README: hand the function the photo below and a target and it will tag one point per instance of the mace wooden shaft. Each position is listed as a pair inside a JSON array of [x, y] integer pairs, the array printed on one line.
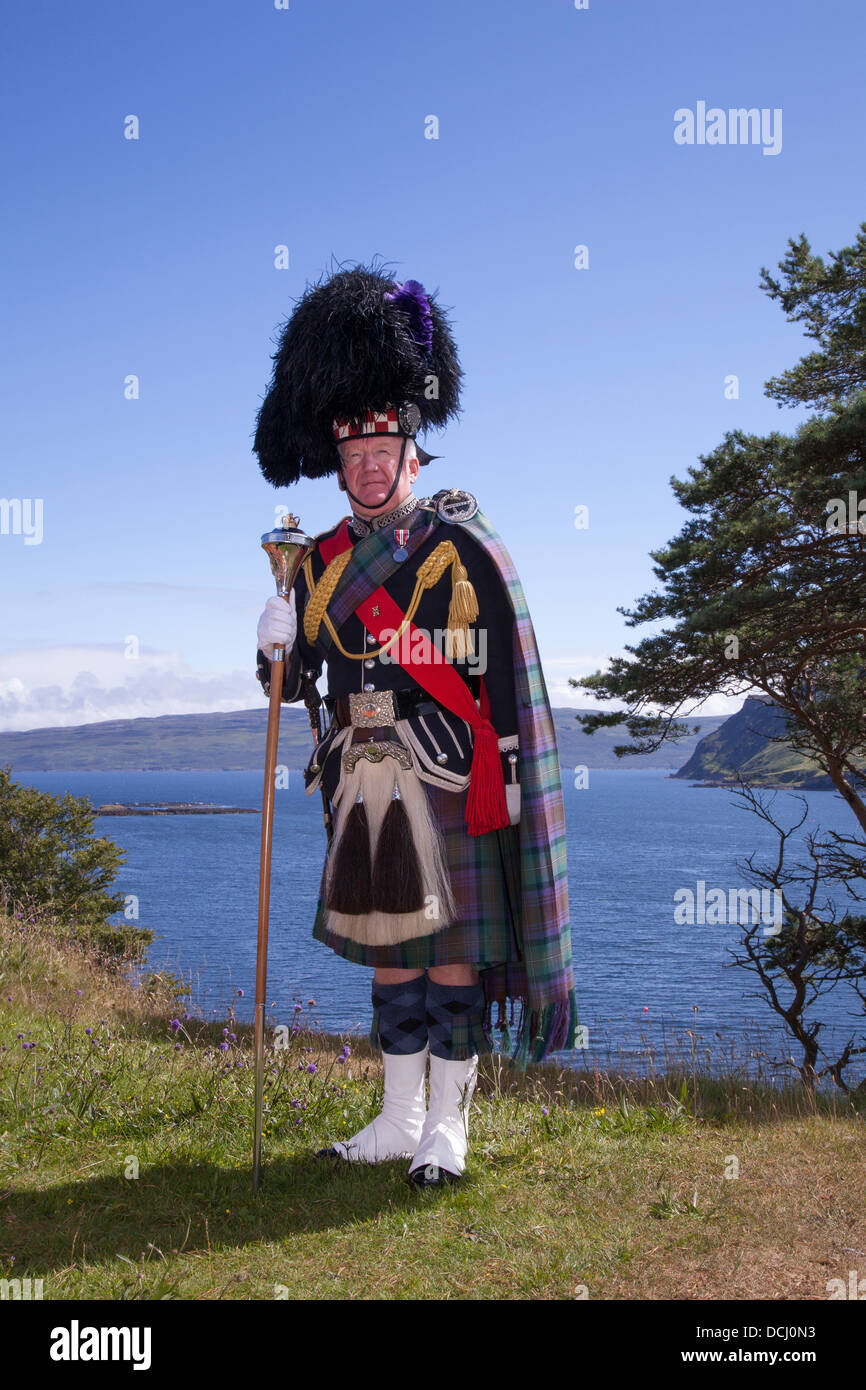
[[265, 898]]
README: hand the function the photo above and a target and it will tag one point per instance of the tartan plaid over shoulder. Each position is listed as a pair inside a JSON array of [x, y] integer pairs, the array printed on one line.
[[542, 983]]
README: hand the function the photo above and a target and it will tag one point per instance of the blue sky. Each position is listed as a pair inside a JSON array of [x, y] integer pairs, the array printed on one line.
[[305, 127]]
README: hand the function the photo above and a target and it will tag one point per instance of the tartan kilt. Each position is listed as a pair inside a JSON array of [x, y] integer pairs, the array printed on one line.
[[485, 880]]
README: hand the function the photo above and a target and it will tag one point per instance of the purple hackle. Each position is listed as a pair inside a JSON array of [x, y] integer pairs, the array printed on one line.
[[412, 297]]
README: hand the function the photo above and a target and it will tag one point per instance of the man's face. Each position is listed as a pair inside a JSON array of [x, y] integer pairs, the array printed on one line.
[[369, 466]]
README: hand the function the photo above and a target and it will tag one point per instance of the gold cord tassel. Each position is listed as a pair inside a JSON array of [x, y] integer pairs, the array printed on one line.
[[462, 611]]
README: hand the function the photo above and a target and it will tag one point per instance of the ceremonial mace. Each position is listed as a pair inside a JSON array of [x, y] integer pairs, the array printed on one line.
[[286, 548]]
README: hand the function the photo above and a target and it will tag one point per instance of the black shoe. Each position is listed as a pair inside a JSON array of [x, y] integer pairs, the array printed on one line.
[[431, 1175]]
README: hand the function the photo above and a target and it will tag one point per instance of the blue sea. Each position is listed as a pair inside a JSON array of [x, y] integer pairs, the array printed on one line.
[[645, 982]]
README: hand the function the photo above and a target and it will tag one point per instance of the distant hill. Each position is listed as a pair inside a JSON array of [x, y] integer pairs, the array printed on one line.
[[741, 747], [235, 742]]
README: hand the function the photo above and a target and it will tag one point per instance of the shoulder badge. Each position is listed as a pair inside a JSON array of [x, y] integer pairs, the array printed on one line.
[[454, 505]]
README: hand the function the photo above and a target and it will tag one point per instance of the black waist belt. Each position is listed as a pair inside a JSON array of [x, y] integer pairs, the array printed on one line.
[[406, 704]]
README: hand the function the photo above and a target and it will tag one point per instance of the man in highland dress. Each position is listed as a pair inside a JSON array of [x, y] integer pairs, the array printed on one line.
[[446, 869]]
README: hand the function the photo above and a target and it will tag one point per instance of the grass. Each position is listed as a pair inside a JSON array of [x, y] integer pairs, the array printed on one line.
[[125, 1166]]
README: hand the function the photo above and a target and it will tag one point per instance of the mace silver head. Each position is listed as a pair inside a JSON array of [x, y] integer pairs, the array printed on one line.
[[286, 549]]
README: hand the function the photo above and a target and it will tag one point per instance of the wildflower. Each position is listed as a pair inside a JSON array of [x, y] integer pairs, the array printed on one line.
[[312, 1003], [240, 994], [298, 1008], [224, 1047], [178, 1047], [296, 1105], [233, 1037], [78, 991], [312, 1068], [544, 1110], [88, 1031], [225, 1032], [174, 1025], [340, 1061]]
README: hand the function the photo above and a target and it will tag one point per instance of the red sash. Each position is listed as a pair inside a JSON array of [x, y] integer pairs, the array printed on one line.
[[486, 807]]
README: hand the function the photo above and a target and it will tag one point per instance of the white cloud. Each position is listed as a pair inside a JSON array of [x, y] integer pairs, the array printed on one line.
[[558, 670], [66, 685]]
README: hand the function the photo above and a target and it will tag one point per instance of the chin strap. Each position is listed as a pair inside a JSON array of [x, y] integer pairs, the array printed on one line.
[[393, 486]]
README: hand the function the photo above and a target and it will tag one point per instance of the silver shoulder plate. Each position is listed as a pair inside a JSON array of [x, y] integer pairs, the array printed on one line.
[[454, 505]]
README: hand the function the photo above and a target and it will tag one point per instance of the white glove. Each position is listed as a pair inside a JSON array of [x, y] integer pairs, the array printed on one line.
[[278, 625]]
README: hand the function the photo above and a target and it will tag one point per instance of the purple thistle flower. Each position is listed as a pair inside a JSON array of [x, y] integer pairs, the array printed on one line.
[[88, 1031], [240, 994], [544, 1110], [233, 1037], [312, 1069], [225, 1032], [174, 1025], [298, 1008], [224, 1047]]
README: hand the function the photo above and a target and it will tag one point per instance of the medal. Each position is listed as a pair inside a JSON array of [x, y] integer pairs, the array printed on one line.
[[401, 536]]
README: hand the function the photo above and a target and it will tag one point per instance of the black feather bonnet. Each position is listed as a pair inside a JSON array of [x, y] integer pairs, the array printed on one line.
[[359, 341]]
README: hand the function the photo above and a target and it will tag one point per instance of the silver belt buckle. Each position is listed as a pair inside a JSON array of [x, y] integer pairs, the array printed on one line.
[[372, 709]]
